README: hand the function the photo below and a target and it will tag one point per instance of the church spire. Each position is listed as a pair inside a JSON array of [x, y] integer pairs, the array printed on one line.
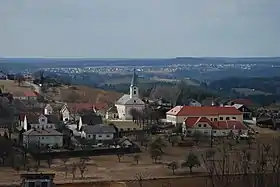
[[134, 92], [134, 78]]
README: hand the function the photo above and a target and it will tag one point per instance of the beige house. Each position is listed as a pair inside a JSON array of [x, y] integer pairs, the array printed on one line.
[[179, 114]]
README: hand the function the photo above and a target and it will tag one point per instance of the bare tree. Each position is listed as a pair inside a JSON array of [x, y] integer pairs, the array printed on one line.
[[137, 158], [73, 170], [173, 166], [191, 161], [120, 156], [82, 168], [258, 167]]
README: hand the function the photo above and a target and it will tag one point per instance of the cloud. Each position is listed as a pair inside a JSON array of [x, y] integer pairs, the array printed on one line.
[[131, 28]]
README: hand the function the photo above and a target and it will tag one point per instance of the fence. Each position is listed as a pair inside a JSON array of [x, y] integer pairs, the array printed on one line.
[[86, 152]]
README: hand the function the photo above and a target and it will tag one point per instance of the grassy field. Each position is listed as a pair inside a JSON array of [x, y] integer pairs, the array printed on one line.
[[12, 86], [108, 168]]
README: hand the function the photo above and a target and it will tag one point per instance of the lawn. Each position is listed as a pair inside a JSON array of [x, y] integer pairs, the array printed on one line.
[[12, 86]]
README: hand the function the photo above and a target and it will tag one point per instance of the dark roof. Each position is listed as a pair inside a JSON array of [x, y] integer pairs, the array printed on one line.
[[52, 119], [112, 109], [134, 79], [91, 119], [44, 132], [100, 128]]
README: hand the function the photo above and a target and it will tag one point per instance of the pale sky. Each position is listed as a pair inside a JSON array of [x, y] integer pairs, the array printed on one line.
[[139, 28]]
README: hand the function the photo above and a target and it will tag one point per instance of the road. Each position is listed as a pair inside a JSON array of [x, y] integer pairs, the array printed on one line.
[[36, 87]]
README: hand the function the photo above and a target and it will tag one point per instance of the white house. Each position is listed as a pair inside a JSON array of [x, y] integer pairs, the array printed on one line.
[[48, 109], [128, 102], [42, 138], [65, 113], [99, 133], [216, 128], [41, 134]]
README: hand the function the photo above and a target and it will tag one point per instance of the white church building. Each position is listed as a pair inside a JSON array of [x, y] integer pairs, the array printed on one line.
[[128, 102]]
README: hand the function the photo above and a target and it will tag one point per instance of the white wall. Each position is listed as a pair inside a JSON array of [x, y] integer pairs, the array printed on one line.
[[45, 140], [216, 132], [45, 126], [121, 111], [106, 136]]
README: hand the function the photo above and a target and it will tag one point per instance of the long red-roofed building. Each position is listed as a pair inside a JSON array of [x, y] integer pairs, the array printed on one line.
[[179, 114], [216, 128]]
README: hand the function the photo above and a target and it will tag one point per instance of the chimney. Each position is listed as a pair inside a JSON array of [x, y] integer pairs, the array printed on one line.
[[25, 123]]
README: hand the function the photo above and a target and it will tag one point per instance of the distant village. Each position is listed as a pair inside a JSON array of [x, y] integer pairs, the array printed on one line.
[[74, 128]]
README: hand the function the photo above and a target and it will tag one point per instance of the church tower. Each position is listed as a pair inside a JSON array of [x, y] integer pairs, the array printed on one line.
[[134, 91]]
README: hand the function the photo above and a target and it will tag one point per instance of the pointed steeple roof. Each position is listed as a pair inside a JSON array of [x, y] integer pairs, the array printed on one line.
[[134, 78]]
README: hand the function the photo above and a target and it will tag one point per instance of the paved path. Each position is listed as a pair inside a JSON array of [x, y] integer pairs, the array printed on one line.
[[35, 86]]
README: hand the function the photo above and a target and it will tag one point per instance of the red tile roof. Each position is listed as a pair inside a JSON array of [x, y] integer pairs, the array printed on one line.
[[246, 102], [29, 94], [192, 121], [203, 111]]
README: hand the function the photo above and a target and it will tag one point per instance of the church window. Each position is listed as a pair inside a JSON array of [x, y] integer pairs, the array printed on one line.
[[134, 88], [134, 92], [134, 101]]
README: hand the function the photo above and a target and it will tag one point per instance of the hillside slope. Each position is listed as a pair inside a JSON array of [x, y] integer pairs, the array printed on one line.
[[83, 94]]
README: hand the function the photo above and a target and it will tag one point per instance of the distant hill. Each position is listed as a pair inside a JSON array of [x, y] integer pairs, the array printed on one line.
[[138, 62], [262, 90]]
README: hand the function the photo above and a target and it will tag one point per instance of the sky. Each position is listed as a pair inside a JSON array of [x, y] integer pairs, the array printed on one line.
[[139, 28]]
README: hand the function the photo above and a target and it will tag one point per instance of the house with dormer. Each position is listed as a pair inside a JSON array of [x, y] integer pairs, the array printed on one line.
[[215, 128], [40, 131], [73, 111]]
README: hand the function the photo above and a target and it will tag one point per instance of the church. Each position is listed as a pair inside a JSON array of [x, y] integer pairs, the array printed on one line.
[[128, 102]]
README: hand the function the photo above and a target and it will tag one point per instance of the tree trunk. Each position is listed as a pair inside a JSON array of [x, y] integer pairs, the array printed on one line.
[[190, 169]]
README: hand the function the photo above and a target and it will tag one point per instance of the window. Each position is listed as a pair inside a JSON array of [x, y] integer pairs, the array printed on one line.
[[221, 118], [100, 136], [227, 118], [128, 129], [42, 138], [134, 92], [134, 101], [214, 131], [204, 125], [233, 117], [31, 184], [88, 135], [134, 88], [211, 119], [199, 125], [215, 119], [44, 184], [108, 136], [121, 129]]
